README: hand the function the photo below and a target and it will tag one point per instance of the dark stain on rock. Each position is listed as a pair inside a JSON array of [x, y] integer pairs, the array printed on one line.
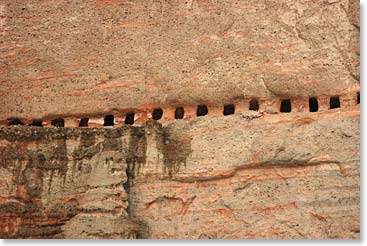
[[112, 144], [114, 132], [173, 141], [143, 231], [26, 134], [176, 147], [9, 154], [87, 152], [135, 157], [32, 176], [57, 158], [87, 138], [51, 158], [30, 211], [31, 218], [135, 153], [87, 146]]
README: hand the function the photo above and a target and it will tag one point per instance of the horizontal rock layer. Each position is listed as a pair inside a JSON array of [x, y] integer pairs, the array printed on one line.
[[257, 173], [290, 175], [93, 56]]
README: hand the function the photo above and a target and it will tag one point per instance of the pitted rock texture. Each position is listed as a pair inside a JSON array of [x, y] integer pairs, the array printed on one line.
[[283, 176], [92, 56], [257, 173]]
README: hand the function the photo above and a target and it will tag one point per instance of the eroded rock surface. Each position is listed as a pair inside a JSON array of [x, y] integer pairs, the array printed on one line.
[[94, 72], [240, 176], [66, 183], [87, 57]]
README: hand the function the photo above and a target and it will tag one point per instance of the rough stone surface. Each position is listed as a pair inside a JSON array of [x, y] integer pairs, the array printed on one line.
[[66, 183], [93, 56], [255, 174], [240, 176]]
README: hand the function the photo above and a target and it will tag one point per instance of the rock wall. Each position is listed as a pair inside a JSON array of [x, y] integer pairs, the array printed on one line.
[[67, 183], [179, 119], [240, 176], [89, 57]]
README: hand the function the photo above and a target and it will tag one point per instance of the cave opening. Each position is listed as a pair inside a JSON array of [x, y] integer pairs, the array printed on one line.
[[202, 110], [254, 105], [36, 123], [334, 102], [109, 120], [228, 109], [285, 106], [157, 113], [358, 98], [129, 119], [15, 122], [313, 104], [179, 113], [59, 122], [83, 122]]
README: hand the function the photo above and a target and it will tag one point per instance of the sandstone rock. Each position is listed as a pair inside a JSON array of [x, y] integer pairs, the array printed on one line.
[[94, 57], [275, 176], [180, 119]]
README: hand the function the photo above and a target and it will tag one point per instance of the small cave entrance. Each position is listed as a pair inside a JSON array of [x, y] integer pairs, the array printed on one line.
[[129, 119], [202, 110], [285, 106], [334, 102], [313, 104], [179, 113], [83, 122], [59, 122], [228, 109], [36, 123], [157, 114], [358, 97], [109, 120], [15, 122], [254, 105]]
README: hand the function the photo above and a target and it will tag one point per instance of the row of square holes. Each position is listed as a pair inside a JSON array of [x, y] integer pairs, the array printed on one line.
[[158, 113], [334, 102], [285, 107]]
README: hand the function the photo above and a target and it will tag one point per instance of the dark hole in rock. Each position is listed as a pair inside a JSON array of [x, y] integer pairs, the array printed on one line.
[[14, 122], [254, 105], [313, 104], [83, 122], [228, 109], [59, 122], [179, 113], [129, 120], [358, 98], [285, 106], [109, 120], [202, 110], [36, 123], [334, 102], [157, 114]]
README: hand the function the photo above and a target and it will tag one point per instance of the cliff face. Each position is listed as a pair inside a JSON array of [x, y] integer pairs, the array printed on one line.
[[179, 119], [97, 56], [240, 176]]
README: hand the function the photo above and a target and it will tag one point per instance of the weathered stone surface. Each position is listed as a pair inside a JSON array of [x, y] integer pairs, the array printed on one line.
[[275, 177], [76, 73], [88, 57], [242, 176], [66, 183]]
